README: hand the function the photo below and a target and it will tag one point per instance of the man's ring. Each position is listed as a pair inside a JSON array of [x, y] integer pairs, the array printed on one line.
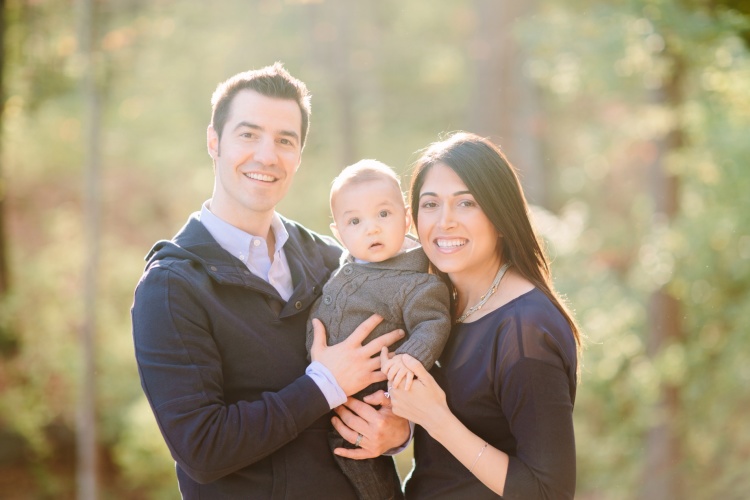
[[359, 440]]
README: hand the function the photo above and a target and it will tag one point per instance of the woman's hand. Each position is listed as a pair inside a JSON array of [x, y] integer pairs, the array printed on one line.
[[424, 403], [381, 430], [355, 366]]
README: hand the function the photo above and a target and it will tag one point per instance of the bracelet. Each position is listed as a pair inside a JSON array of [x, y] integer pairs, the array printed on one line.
[[478, 455]]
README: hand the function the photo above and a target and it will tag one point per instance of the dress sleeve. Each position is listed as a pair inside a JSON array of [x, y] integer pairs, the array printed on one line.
[[181, 374], [536, 399], [427, 319]]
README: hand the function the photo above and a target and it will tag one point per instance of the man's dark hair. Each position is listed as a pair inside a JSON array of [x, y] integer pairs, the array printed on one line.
[[271, 81]]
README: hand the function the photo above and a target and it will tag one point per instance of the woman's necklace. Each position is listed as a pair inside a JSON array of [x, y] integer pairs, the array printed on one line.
[[484, 298]]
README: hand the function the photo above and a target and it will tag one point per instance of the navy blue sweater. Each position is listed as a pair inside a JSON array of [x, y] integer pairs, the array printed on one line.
[[510, 377], [222, 358]]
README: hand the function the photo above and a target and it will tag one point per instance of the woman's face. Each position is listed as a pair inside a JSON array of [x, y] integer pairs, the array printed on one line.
[[455, 233]]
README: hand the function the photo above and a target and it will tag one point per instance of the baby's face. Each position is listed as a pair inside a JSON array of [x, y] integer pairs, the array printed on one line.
[[370, 219]]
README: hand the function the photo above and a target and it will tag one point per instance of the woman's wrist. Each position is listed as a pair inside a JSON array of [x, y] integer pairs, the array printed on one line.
[[440, 423]]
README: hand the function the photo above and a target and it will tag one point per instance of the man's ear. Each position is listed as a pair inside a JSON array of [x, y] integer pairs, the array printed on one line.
[[212, 142], [335, 232]]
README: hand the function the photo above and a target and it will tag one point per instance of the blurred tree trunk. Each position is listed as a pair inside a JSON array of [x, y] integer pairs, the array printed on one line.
[[330, 24], [4, 275], [341, 69], [504, 103], [660, 477], [86, 427]]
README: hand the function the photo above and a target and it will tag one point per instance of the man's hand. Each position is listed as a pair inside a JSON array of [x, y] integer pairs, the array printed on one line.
[[351, 363], [381, 430]]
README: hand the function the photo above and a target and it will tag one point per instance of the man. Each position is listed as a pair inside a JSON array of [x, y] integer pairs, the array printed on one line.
[[219, 320]]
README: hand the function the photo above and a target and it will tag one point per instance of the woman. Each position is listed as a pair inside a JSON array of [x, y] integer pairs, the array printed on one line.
[[496, 417]]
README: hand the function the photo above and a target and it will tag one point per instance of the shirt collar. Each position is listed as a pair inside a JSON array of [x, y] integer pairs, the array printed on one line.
[[235, 240]]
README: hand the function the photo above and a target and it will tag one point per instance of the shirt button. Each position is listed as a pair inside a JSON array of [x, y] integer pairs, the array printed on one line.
[[247, 273], [213, 268], [256, 243], [327, 300], [298, 305], [315, 289], [347, 270]]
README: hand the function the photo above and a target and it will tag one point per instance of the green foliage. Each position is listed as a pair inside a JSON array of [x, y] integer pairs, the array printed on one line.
[[625, 252], [406, 74]]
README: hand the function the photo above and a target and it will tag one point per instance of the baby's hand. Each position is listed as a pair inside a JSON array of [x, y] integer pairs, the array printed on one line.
[[397, 372]]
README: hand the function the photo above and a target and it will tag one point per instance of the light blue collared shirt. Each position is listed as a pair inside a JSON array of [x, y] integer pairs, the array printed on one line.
[[253, 251]]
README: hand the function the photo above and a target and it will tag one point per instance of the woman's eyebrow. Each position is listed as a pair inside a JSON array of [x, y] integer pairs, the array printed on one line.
[[457, 193]]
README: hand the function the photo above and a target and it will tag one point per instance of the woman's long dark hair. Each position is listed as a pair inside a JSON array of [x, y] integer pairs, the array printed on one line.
[[494, 184]]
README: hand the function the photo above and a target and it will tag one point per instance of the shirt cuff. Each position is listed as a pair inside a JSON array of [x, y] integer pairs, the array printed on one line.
[[396, 451], [327, 384]]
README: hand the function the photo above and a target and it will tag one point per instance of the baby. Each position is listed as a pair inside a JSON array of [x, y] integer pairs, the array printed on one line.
[[382, 271]]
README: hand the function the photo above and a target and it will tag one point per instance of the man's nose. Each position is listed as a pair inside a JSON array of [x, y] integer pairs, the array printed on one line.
[[265, 151]]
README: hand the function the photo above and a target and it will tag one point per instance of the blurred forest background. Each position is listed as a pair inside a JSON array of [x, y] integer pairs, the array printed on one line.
[[628, 120]]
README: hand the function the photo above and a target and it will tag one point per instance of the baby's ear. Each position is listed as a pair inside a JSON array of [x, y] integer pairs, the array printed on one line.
[[408, 219], [335, 232]]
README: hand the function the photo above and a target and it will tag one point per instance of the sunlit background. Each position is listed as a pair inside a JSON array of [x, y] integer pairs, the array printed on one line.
[[628, 121]]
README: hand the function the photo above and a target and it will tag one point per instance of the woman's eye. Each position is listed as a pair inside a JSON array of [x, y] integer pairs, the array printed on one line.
[[429, 204], [467, 203]]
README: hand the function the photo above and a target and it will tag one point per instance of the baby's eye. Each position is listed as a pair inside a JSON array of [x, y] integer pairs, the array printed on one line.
[[384, 213], [354, 221]]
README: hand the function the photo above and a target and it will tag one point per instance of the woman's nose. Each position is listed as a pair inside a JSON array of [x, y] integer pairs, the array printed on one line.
[[447, 219]]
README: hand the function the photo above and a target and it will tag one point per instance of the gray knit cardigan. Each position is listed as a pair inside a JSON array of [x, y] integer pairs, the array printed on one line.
[[400, 290]]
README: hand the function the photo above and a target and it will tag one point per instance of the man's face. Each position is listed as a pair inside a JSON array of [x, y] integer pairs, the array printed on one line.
[[256, 158]]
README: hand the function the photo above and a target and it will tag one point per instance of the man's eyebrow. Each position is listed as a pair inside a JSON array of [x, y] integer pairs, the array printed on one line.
[[247, 125], [285, 133], [290, 133]]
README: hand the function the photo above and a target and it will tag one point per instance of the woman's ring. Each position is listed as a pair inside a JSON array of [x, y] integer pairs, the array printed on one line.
[[387, 395], [359, 440]]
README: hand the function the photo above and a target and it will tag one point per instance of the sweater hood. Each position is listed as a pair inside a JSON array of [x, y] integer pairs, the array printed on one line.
[[311, 259], [193, 242]]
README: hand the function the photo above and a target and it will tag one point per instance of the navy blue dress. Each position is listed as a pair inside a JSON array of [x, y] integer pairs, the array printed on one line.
[[510, 377]]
